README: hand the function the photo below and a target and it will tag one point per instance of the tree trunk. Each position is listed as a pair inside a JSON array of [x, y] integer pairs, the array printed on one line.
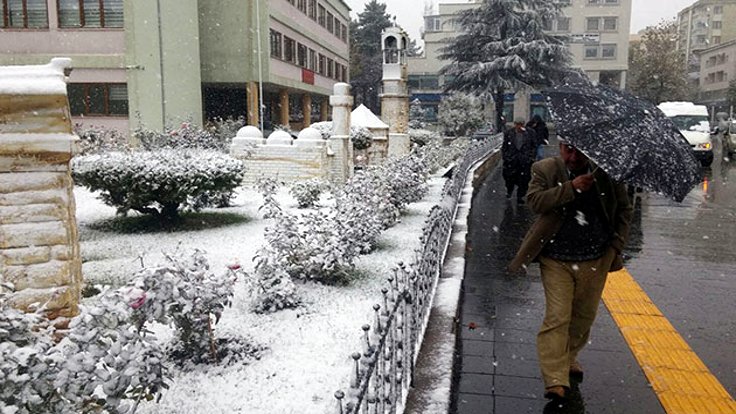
[[499, 101]]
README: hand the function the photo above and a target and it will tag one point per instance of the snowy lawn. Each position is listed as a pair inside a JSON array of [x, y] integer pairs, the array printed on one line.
[[307, 349]]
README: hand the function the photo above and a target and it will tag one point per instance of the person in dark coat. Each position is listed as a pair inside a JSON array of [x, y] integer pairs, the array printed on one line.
[[518, 153], [540, 129]]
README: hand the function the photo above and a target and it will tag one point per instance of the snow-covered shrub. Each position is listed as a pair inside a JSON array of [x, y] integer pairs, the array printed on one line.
[[324, 128], [361, 137], [104, 363], [307, 192], [95, 140], [275, 290], [185, 293], [159, 182], [226, 129], [460, 114], [183, 136], [407, 177], [416, 115], [422, 137], [440, 155]]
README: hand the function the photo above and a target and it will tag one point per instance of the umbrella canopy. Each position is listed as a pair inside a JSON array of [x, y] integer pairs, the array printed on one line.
[[631, 139]]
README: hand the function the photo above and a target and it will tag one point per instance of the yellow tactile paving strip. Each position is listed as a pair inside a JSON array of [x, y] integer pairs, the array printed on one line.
[[683, 384]]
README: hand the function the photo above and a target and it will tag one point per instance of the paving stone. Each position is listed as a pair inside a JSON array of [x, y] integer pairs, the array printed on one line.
[[474, 404], [476, 384]]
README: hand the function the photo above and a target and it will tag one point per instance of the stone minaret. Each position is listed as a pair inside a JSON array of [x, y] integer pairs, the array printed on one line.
[[395, 96]]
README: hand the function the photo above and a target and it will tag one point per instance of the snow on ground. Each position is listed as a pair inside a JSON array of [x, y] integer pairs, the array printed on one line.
[[307, 357]]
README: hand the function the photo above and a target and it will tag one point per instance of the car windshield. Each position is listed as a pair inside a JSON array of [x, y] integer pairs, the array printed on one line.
[[691, 122]]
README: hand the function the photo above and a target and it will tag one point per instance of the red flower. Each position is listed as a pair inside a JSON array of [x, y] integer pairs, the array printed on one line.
[[138, 302], [472, 326], [235, 266]]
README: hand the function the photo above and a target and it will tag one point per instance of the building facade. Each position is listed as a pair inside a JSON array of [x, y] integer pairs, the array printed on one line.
[[599, 37], [163, 61], [717, 70], [705, 24]]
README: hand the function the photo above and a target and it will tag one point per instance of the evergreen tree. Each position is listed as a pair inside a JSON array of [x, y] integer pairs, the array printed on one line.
[[658, 71], [503, 47], [365, 54], [416, 115]]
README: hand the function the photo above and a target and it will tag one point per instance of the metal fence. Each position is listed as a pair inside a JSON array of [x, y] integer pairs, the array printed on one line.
[[383, 369]]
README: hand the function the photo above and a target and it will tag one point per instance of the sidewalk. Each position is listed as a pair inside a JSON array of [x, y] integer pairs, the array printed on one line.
[[497, 369]]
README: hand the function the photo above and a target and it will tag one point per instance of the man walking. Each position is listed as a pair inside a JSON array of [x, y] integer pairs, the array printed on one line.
[[581, 229], [518, 152]]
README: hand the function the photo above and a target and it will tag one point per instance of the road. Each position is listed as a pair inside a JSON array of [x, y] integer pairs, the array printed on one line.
[[683, 255]]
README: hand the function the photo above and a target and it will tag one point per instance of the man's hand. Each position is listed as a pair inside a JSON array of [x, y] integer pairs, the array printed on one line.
[[583, 183]]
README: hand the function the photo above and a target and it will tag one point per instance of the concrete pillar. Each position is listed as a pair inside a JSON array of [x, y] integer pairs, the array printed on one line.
[[623, 80], [307, 109], [39, 247], [284, 101], [341, 149], [324, 109], [253, 117], [521, 105]]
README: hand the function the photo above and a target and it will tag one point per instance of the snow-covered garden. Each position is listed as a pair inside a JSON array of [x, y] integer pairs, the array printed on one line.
[[253, 307]]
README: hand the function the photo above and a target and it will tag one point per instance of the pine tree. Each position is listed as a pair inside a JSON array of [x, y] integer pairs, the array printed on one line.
[[658, 71], [365, 54], [503, 47]]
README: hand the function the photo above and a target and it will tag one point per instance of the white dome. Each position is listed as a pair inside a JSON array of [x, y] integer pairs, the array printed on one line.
[[249, 131], [310, 134], [279, 138]]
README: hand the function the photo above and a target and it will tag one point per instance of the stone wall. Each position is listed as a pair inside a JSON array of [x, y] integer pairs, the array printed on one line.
[[287, 163], [39, 250]]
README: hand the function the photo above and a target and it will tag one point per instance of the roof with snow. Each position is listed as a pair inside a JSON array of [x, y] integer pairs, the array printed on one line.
[[46, 79], [363, 117]]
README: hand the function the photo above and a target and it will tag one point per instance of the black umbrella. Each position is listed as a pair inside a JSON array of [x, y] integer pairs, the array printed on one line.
[[631, 139]]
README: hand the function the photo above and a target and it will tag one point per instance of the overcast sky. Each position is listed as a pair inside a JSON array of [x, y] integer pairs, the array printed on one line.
[[409, 13]]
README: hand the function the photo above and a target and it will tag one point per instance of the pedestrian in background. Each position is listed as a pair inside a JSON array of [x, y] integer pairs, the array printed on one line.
[[582, 227], [518, 152], [540, 129]]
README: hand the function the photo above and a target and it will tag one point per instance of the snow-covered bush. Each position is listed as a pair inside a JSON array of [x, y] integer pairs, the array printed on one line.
[[95, 140], [416, 115], [307, 192], [438, 155], [421, 137], [407, 178], [324, 128], [460, 114], [361, 137], [183, 136], [185, 293], [225, 129], [159, 182]]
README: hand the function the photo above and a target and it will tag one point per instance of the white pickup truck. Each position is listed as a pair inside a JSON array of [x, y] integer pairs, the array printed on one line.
[[692, 121]]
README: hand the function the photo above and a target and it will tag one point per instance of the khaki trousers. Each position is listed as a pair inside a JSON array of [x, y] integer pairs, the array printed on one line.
[[572, 293]]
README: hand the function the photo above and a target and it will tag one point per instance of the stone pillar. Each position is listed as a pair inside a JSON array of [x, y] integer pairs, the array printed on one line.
[[341, 149], [253, 117], [395, 96], [307, 109], [284, 102], [39, 248]]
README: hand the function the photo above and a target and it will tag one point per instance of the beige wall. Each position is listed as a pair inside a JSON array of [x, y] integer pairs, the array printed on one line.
[[717, 69]]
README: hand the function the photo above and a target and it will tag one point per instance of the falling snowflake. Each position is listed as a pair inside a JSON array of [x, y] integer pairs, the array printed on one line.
[[580, 217]]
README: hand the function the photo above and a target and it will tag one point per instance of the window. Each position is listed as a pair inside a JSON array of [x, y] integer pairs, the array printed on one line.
[[276, 48], [302, 6], [312, 9], [312, 60], [593, 24], [547, 25], [343, 33], [337, 27], [344, 73], [330, 22], [330, 68], [289, 49], [718, 25], [608, 51], [718, 9], [321, 67], [591, 52], [432, 24], [321, 15], [90, 13], [301, 55], [610, 24], [563, 24], [100, 99], [424, 82], [24, 14], [716, 40]]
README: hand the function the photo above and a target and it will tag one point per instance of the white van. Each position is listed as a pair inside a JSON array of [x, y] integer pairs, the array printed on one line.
[[692, 121]]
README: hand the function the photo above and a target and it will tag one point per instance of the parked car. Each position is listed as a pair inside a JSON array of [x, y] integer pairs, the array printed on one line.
[[692, 121]]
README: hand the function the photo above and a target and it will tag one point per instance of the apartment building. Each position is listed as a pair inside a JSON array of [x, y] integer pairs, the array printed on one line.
[[705, 24], [599, 37], [717, 70], [158, 62]]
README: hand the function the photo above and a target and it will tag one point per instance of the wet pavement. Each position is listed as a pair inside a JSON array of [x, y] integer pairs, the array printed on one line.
[[684, 257]]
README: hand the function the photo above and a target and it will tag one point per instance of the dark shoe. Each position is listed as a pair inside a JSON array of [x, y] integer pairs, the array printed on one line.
[[555, 393], [576, 371]]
